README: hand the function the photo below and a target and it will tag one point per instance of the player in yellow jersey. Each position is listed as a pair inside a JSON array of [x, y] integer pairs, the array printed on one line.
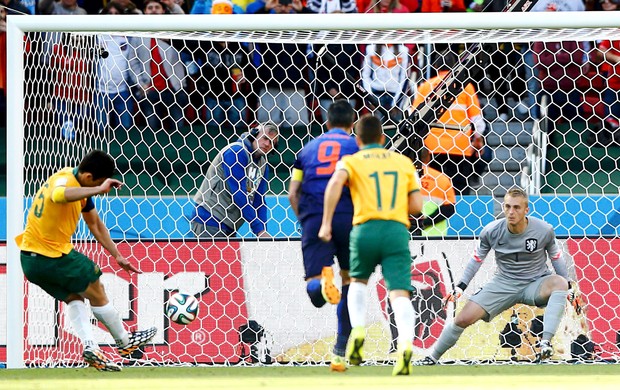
[[385, 190], [50, 261]]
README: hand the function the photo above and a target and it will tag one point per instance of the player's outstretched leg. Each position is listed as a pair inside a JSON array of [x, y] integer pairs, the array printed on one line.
[[356, 344], [136, 340], [95, 358], [330, 292]]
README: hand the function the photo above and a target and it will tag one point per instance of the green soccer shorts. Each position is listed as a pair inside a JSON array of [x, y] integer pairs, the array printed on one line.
[[60, 276], [382, 242]]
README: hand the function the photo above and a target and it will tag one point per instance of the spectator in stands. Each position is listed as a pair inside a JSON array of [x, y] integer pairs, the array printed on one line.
[[439, 200], [160, 74], [443, 6], [224, 82], [385, 79], [282, 69], [610, 54], [335, 68], [331, 6], [70, 62], [455, 148], [217, 7], [558, 5], [129, 7], [559, 65], [172, 7], [388, 6], [114, 101], [61, 7], [336, 72], [233, 190], [12, 7]]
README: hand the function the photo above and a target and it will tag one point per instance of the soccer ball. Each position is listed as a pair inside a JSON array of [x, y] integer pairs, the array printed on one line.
[[182, 308]]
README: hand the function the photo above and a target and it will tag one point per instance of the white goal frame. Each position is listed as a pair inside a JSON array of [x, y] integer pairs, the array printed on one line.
[[17, 26]]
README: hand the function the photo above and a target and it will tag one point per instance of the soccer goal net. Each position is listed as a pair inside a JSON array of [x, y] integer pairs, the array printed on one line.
[[164, 94]]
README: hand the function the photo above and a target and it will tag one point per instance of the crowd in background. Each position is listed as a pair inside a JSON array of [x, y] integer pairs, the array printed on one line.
[[167, 84]]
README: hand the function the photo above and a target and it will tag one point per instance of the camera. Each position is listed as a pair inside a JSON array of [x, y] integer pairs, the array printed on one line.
[[285, 2]]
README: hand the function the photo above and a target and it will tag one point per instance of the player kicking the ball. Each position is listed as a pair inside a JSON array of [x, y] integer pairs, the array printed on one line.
[[50, 261], [521, 246]]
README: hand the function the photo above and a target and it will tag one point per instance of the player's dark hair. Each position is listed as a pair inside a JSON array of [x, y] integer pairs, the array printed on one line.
[[369, 129], [341, 114], [98, 163]]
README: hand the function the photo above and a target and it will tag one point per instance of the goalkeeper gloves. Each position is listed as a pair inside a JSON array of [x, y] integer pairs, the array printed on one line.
[[456, 294], [574, 298]]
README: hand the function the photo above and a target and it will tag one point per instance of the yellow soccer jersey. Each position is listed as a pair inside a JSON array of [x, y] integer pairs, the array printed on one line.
[[380, 183], [50, 225]]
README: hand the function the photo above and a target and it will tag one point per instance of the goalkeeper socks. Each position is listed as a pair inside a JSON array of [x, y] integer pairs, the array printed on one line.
[[314, 292], [344, 323], [553, 313], [448, 338], [80, 320], [357, 304], [404, 316], [109, 317]]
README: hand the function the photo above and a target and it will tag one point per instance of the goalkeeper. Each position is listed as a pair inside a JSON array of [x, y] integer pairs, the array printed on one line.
[[521, 246]]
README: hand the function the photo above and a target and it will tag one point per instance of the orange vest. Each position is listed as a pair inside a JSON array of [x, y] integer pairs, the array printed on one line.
[[466, 106]]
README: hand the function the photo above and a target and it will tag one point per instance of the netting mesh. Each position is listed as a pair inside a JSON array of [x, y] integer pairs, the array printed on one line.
[[85, 91]]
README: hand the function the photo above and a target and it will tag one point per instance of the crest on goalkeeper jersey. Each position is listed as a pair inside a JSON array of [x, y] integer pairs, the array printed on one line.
[[531, 244]]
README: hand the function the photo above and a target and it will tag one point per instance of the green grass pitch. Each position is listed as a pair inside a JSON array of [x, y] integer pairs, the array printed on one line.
[[522, 377]]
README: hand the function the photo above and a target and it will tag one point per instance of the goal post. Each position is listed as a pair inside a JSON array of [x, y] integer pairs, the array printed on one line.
[[248, 279]]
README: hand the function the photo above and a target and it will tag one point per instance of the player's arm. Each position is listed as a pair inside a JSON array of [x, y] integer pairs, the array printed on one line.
[[294, 189], [332, 196], [472, 268], [62, 194], [102, 235], [415, 202]]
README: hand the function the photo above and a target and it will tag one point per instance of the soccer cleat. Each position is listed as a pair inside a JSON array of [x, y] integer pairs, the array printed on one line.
[[546, 351], [338, 364], [330, 292], [356, 342], [136, 340], [95, 358], [403, 362], [427, 361]]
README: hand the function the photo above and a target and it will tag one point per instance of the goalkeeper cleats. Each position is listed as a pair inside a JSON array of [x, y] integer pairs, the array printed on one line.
[[356, 342], [136, 340], [403, 362], [330, 292], [95, 358], [427, 361], [546, 351], [338, 364]]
